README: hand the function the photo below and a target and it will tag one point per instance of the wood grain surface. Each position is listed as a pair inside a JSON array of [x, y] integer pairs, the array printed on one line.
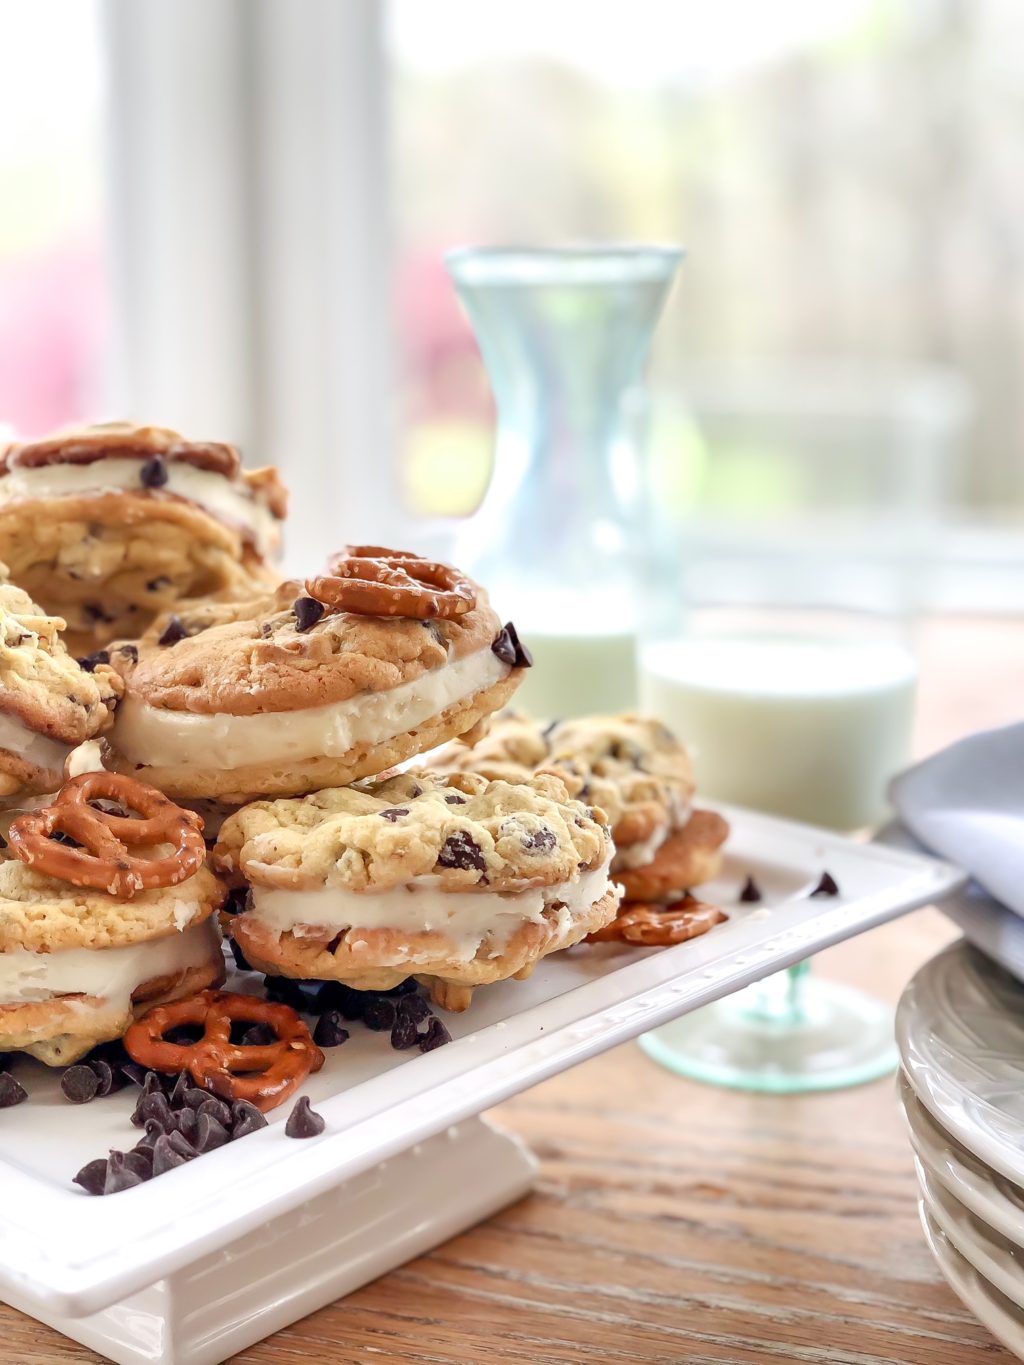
[[677, 1223]]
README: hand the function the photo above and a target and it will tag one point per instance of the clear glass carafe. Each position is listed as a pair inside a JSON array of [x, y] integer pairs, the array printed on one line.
[[564, 334]]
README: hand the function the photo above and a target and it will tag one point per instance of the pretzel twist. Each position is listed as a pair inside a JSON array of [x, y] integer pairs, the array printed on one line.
[[653, 925], [373, 581], [103, 861], [264, 1074]]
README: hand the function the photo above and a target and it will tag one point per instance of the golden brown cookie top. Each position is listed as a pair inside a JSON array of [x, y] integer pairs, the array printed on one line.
[[84, 445], [282, 652], [630, 765], [45, 915], [41, 684], [468, 833]]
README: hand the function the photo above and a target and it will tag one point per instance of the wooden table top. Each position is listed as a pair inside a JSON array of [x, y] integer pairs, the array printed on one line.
[[673, 1222]]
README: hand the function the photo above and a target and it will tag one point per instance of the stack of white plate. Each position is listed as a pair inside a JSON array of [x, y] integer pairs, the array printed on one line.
[[960, 1030]]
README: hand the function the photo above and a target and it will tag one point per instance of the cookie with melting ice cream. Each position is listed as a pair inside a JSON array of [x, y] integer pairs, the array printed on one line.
[[456, 880], [110, 525], [282, 696], [632, 766], [77, 965], [49, 702]]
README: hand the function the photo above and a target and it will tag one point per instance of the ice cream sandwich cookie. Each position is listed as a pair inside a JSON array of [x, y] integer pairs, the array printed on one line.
[[455, 880], [632, 766], [296, 694], [91, 933], [49, 702], [109, 525]]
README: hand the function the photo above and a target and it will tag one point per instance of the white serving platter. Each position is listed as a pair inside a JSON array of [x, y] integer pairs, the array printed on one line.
[[211, 1257]]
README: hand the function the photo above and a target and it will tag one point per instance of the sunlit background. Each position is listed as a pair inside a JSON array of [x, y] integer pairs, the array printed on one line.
[[845, 341]]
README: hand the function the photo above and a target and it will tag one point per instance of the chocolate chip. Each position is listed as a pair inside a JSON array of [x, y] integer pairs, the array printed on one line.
[[303, 1122], [379, 1015], [461, 851], [329, 1031], [153, 1106], [102, 656], [751, 892], [454, 799], [395, 813], [183, 1121], [153, 1084], [827, 886], [335, 995], [12, 1092], [107, 1079], [241, 961], [181, 1088], [140, 1162], [260, 1035], [266, 630], [284, 990], [167, 1155], [549, 730], [307, 612], [237, 901], [79, 1084], [510, 649], [174, 631], [130, 652], [405, 987], [404, 1034], [539, 840], [195, 1096], [93, 1176], [246, 1119], [436, 1035], [59, 837], [158, 584], [216, 1109], [153, 473], [97, 613], [135, 1073], [209, 1133], [414, 1007], [120, 1175]]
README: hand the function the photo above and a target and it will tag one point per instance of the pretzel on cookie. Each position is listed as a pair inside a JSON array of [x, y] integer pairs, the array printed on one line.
[[370, 580], [94, 850], [265, 1074], [655, 925]]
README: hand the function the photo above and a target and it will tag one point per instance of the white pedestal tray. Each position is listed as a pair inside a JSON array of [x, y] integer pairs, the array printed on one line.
[[202, 1262]]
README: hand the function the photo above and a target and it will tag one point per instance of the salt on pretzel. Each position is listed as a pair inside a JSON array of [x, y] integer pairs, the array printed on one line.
[[265, 1074], [102, 859], [373, 581]]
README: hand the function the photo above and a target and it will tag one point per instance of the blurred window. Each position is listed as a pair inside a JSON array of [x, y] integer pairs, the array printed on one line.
[[843, 174], [54, 307]]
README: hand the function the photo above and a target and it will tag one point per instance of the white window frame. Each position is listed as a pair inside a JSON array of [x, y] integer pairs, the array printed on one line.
[[250, 245]]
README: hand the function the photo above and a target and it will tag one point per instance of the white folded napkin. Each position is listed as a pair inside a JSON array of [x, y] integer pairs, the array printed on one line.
[[967, 805]]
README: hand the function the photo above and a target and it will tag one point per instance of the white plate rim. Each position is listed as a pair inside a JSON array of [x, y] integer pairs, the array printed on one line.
[[939, 1152], [108, 1249], [940, 1095], [971, 1288], [971, 1237]]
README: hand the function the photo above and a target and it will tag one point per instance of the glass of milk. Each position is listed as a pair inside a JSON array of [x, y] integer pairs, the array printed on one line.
[[558, 539], [804, 715]]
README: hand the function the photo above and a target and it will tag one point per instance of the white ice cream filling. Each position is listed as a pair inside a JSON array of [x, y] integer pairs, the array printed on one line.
[[213, 492], [107, 974], [642, 852], [20, 739], [468, 918], [156, 737]]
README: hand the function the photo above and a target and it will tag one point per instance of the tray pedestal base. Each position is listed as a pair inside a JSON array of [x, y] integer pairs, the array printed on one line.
[[317, 1253]]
